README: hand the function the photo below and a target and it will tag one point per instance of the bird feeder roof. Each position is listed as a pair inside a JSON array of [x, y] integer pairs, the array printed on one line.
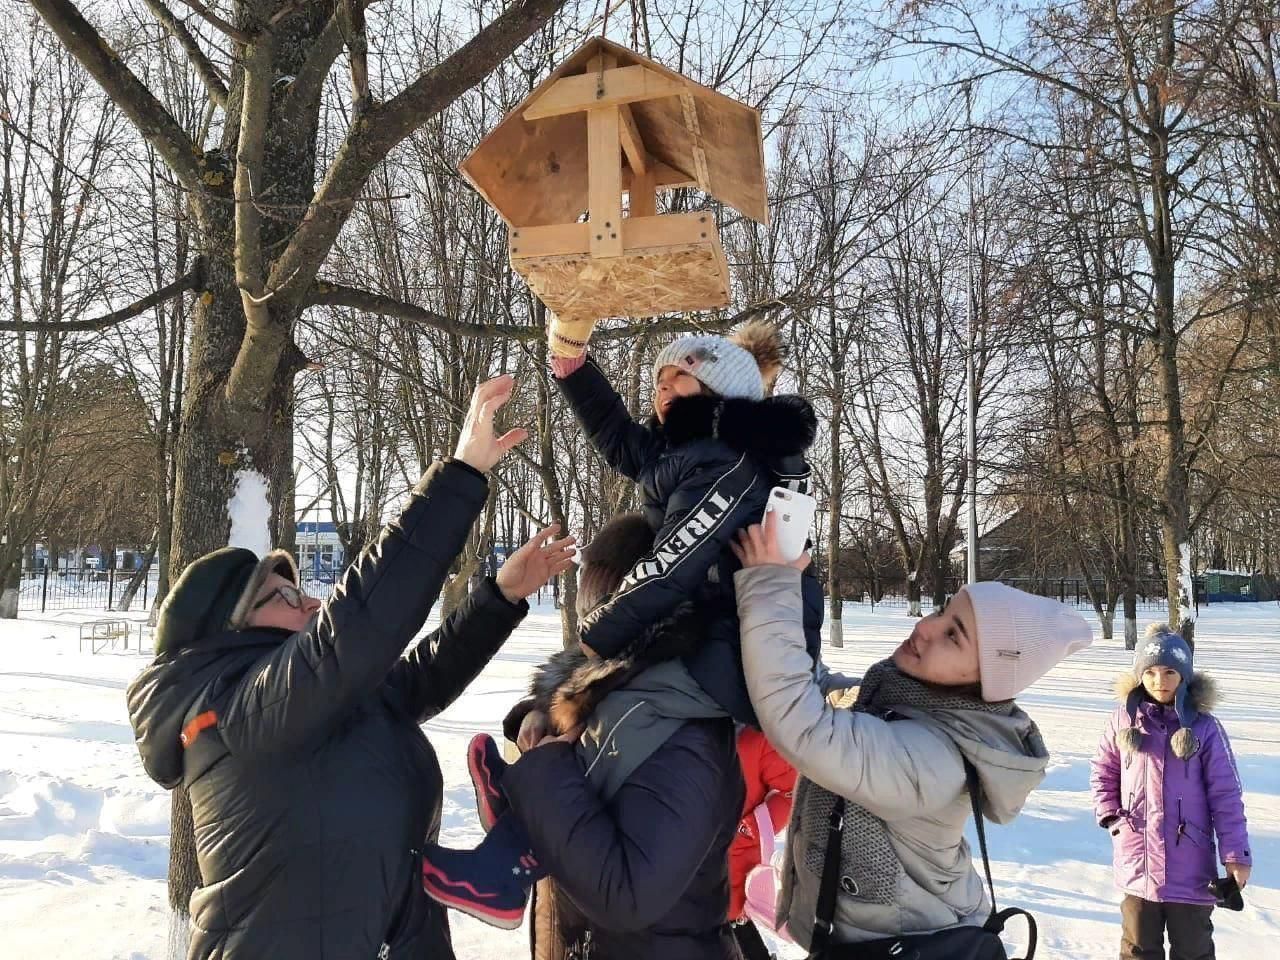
[[532, 167]]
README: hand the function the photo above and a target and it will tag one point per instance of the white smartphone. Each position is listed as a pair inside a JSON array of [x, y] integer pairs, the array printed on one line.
[[794, 518]]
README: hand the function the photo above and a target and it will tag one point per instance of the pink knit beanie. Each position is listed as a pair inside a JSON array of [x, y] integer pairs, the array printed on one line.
[[1021, 637]]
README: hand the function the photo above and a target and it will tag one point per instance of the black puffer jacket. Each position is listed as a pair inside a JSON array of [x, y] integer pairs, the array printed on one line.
[[703, 476], [649, 869], [644, 873], [310, 780]]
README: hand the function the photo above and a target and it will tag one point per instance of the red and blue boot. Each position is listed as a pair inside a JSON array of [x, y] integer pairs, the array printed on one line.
[[491, 882], [486, 766]]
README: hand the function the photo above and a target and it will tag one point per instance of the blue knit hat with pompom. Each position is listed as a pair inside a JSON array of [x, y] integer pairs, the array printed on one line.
[[1163, 647]]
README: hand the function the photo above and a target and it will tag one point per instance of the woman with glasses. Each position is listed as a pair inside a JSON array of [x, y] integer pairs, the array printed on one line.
[[293, 723]]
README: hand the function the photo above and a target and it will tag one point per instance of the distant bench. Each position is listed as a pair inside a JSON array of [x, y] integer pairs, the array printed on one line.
[[106, 635]]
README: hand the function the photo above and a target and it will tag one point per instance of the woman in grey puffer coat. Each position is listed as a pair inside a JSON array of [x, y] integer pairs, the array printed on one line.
[[896, 756]]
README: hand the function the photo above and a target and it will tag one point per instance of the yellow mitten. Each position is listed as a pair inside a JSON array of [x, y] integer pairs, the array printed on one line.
[[568, 337]]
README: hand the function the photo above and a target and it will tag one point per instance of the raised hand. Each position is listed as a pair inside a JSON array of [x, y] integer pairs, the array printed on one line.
[[535, 563], [477, 445], [757, 546]]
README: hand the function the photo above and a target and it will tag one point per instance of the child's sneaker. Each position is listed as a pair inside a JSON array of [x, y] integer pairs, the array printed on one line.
[[491, 882], [486, 766]]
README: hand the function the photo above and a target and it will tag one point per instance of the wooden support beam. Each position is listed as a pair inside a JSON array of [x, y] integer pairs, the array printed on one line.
[[665, 177], [604, 182], [550, 241], [604, 168], [669, 230], [643, 194], [632, 143], [639, 231], [691, 123], [610, 87]]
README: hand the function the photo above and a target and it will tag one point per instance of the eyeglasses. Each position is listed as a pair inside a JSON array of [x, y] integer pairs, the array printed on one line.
[[290, 595]]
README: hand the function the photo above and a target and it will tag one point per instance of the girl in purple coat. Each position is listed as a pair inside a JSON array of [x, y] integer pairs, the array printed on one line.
[[1165, 784]]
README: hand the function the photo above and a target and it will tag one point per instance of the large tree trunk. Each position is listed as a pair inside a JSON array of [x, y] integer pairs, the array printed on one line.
[[913, 595], [835, 594], [219, 447], [1175, 513], [10, 579], [553, 490]]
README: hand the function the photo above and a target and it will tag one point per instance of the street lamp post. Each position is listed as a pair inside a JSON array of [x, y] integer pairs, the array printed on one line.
[[971, 385]]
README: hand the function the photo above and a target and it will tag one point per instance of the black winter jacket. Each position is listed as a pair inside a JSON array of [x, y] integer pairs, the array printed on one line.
[[311, 783], [703, 476], [648, 870]]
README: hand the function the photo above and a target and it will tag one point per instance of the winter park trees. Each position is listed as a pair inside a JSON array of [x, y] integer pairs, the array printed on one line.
[[250, 214]]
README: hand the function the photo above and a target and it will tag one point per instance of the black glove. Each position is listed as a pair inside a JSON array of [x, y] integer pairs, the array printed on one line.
[[1227, 892]]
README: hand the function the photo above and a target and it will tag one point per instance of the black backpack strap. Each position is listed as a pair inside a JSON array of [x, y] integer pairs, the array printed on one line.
[[975, 800], [996, 924], [825, 912], [998, 918]]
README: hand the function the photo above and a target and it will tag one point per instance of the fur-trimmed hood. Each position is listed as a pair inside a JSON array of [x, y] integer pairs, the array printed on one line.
[[770, 429], [1203, 694], [570, 685], [1200, 696]]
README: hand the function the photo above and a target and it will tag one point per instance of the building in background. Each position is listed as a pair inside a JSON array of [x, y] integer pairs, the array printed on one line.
[[320, 554]]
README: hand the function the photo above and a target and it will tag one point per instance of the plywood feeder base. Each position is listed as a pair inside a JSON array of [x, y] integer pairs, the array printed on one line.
[[669, 264], [643, 283]]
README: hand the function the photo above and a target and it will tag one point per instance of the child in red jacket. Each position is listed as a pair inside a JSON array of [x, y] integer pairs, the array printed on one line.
[[771, 782]]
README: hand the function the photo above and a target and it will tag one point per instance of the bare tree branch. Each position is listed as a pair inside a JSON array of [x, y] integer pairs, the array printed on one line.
[[310, 77], [328, 293], [371, 138], [209, 74], [332, 294], [264, 337], [352, 14], [138, 307], [126, 90], [217, 22]]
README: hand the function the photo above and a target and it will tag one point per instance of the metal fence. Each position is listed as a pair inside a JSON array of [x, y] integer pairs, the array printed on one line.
[[893, 592], [89, 589], [82, 588]]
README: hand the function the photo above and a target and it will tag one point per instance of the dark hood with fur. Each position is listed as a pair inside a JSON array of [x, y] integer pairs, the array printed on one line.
[[1202, 692], [570, 685], [770, 429]]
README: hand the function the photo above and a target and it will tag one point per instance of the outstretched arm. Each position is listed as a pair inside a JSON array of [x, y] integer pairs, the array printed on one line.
[[626, 445]]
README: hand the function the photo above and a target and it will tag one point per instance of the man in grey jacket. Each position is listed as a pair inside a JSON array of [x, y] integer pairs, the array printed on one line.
[[896, 756]]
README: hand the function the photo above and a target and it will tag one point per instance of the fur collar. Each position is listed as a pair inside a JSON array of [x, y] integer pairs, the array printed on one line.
[[770, 429], [1202, 691], [570, 685]]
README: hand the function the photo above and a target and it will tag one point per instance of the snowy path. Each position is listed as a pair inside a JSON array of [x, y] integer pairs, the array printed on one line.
[[83, 832]]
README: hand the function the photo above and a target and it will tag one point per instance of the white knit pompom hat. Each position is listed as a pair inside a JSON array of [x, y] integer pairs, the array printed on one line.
[[1021, 637], [718, 363]]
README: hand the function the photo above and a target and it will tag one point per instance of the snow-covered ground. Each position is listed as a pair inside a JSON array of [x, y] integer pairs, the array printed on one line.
[[83, 832]]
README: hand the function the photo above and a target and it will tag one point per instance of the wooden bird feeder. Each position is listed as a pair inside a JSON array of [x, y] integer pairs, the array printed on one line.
[[607, 122]]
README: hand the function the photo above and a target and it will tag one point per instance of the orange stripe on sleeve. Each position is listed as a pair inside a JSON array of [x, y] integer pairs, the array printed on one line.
[[192, 730]]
